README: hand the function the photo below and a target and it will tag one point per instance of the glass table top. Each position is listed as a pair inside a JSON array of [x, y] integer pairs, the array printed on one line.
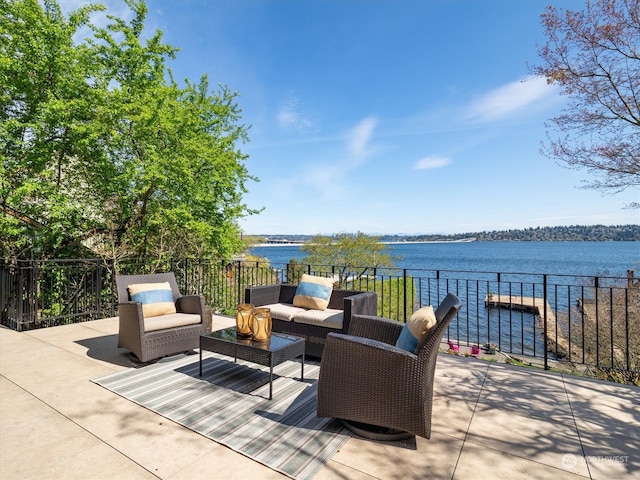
[[277, 340]]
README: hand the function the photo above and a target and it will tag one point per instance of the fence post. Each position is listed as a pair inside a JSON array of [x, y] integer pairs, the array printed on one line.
[[596, 284], [544, 317], [98, 271], [239, 281], [19, 299], [32, 315], [404, 291]]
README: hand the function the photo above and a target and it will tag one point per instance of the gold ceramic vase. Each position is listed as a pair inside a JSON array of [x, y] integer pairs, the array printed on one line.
[[261, 325], [244, 317]]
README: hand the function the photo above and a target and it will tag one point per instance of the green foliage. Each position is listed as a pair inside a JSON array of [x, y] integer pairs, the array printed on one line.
[[101, 146], [352, 254], [391, 295]]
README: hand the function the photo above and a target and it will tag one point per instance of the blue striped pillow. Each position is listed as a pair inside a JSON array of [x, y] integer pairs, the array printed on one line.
[[156, 298]]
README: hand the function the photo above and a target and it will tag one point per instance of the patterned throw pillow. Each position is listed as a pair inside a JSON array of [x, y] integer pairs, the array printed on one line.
[[313, 292], [156, 298], [416, 329]]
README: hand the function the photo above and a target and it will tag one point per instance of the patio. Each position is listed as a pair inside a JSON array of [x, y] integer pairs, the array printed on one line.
[[490, 420]]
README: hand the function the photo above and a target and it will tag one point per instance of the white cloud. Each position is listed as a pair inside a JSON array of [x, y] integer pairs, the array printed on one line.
[[329, 177], [432, 162], [511, 98], [287, 117], [360, 138], [291, 116]]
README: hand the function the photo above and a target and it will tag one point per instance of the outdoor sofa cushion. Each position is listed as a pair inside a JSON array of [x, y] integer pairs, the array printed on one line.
[[283, 311], [329, 318], [173, 320]]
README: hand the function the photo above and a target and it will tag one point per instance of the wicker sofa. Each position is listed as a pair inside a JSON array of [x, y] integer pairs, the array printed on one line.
[[313, 325], [153, 337]]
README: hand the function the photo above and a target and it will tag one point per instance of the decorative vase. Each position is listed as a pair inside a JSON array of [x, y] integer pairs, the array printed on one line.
[[261, 325], [244, 315]]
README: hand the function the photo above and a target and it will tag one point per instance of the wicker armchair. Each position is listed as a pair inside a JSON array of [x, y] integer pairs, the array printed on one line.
[[365, 378], [148, 343]]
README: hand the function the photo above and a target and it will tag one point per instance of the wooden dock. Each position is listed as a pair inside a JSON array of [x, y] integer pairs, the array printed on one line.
[[556, 341]]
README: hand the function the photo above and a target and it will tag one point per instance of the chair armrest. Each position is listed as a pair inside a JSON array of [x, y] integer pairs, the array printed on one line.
[[191, 304], [365, 303], [264, 295], [376, 328], [131, 320], [131, 311], [360, 348]]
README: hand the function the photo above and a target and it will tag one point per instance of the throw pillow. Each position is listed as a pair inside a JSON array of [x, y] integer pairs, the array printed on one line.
[[313, 292], [416, 329], [156, 298]]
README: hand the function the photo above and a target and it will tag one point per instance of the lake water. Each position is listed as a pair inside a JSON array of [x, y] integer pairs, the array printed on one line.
[[559, 258], [515, 332]]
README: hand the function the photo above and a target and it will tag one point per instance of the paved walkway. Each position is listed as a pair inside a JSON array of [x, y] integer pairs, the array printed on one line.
[[490, 421]]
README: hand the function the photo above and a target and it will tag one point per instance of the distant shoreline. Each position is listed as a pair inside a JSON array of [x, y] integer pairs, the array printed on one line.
[[407, 242], [420, 242], [571, 233]]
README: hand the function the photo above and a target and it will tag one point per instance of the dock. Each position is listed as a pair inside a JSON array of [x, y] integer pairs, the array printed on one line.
[[556, 341]]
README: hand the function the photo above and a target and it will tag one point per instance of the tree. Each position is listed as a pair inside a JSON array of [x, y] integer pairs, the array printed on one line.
[[594, 56], [102, 147], [351, 254], [43, 97]]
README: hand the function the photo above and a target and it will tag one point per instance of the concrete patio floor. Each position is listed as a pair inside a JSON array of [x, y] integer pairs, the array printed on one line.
[[490, 420]]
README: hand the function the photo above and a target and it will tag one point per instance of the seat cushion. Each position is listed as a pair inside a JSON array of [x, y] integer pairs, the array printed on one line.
[[329, 318], [283, 311], [162, 322], [156, 298], [416, 329], [313, 292]]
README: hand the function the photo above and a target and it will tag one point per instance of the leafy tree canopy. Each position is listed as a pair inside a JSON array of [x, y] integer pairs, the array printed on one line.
[[103, 149], [351, 253], [594, 56]]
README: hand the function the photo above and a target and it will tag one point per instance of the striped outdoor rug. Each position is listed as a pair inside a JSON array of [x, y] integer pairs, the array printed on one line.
[[229, 404]]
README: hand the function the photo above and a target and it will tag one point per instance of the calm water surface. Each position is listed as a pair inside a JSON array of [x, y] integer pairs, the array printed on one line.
[[561, 258], [516, 332]]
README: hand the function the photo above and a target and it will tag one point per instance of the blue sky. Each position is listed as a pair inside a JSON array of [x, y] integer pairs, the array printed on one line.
[[387, 116]]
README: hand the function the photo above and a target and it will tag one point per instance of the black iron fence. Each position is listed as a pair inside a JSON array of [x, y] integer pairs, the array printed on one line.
[[590, 324]]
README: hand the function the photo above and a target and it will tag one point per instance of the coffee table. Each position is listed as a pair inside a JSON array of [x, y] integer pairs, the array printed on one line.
[[277, 350]]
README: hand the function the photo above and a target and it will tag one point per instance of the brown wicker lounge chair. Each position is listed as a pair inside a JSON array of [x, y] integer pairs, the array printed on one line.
[[365, 378], [154, 337]]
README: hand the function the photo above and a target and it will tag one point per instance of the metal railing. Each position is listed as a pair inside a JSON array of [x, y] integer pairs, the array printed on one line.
[[591, 324]]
